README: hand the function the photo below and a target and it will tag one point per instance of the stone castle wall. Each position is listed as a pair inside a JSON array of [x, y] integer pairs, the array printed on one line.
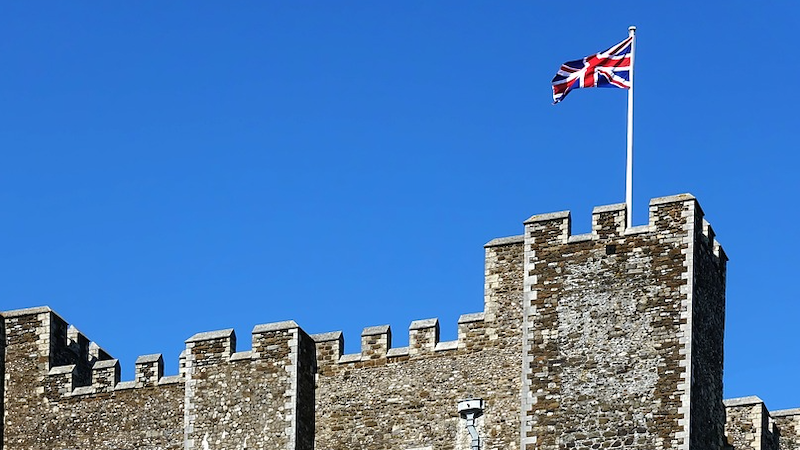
[[609, 330], [411, 393], [59, 395], [251, 399], [611, 339]]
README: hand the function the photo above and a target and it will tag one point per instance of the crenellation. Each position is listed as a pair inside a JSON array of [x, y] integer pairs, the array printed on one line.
[[551, 228], [209, 348], [330, 347], [472, 331], [265, 410], [376, 342], [266, 339], [423, 336], [105, 375], [609, 339], [609, 221], [148, 370], [60, 381]]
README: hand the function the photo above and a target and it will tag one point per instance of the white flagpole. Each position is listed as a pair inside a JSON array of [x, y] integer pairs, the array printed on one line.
[[629, 168]]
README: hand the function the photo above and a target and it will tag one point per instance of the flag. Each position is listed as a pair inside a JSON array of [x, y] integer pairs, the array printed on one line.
[[610, 68]]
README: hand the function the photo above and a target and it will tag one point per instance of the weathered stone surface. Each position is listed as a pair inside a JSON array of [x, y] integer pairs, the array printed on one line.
[[610, 339], [749, 426], [787, 422], [609, 318], [50, 403]]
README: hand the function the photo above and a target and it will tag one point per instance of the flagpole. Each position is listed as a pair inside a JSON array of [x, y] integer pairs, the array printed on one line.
[[629, 166]]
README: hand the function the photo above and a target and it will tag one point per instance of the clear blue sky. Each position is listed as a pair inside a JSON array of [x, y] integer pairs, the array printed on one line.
[[170, 168]]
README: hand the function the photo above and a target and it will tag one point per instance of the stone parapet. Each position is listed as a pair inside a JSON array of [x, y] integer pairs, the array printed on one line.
[[423, 341], [610, 339]]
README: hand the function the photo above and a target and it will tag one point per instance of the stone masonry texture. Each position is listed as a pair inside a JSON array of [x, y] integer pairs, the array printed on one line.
[[612, 339]]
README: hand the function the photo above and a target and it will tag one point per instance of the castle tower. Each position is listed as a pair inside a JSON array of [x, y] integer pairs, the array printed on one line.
[[623, 331]]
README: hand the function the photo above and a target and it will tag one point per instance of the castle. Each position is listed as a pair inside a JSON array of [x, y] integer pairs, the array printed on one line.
[[610, 339]]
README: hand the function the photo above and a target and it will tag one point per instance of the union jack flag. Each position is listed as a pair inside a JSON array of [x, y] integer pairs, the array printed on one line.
[[610, 68]]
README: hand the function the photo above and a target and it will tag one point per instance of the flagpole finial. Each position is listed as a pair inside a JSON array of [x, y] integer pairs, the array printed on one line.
[[631, 29]]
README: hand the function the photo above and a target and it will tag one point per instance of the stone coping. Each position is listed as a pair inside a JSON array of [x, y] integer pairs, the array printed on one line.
[[609, 208], [581, 237], [785, 412], [325, 337], [275, 326], [395, 352], [122, 385], [239, 356], [372, 331], [446, 345], [473, 317], [58, 370], [424, 323], [28, 311], [505, 241], [172, 379], [547, 216], [208, 335], [639, 229], [353, 357], [83, 390], [671, 199], [155, 357], [105, 364], [741, 401]]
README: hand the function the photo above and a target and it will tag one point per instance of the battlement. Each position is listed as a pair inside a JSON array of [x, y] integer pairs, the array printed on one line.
[[608, 339], [219, 347], [609, 224], [77, 367], [423, 341]]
